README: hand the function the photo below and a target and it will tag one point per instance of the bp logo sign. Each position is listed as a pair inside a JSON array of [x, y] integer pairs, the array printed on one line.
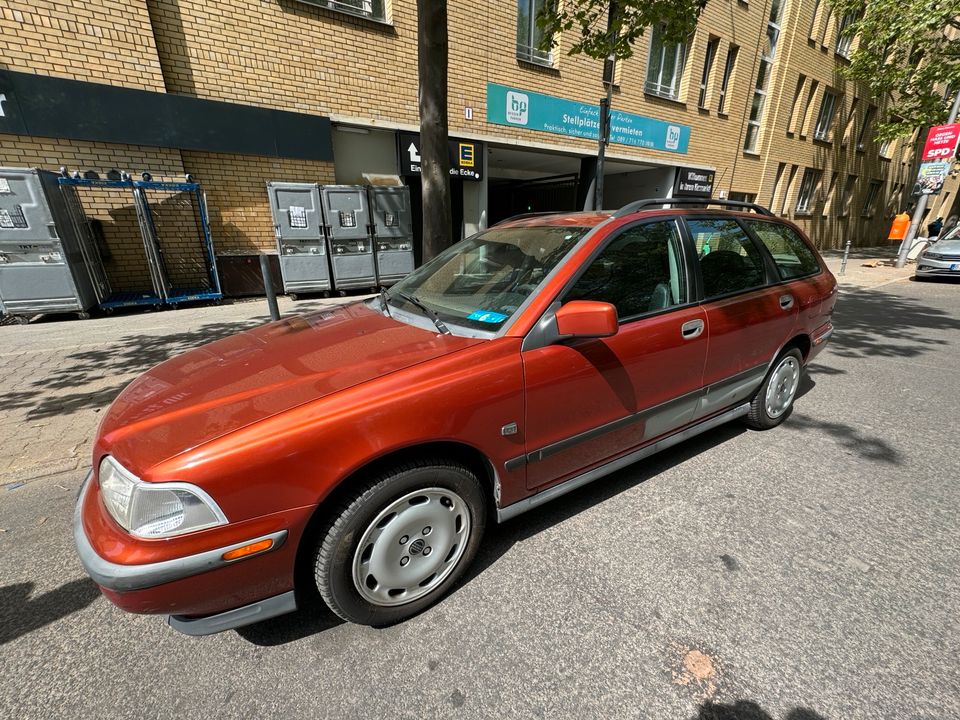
[[518, 108]]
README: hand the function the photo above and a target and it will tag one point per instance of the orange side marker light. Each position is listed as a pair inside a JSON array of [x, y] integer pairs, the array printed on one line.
[[247, 550]]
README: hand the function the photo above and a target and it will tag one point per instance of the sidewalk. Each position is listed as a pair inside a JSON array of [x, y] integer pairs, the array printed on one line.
[[868, 267], [58, 375]]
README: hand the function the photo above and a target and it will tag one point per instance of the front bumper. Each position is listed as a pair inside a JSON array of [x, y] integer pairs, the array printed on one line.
[[944, 268], [124, 578], [201, 592]]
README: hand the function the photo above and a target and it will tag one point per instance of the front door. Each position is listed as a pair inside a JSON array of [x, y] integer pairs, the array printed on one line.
[[590, 400]]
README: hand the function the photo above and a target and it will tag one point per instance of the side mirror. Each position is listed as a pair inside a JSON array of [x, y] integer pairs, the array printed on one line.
[[587, 319]]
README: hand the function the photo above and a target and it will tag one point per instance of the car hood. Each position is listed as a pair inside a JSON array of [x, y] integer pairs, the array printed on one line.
[[945, 247], [220, 387]]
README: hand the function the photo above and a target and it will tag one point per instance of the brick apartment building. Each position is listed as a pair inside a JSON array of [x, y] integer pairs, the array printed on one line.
[[241, 92]]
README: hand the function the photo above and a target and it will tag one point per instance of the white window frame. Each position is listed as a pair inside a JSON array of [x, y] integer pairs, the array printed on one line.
[[868, 115], [531, 53], [765, 68], [361, 8], [657, 86], [807, 192], [728, 67], [828, 109], [713, 44], [845, 42]]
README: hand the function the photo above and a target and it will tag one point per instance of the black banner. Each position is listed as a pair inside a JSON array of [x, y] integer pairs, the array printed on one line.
[[466, 156], [43, 106], [691, 182]]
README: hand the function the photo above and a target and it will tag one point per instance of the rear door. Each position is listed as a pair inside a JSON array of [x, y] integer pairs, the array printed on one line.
[[749, 317], [590, 400]]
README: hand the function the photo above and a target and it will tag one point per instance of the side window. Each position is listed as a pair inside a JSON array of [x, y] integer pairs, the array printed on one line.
[[791, 254], [639, 272], [729, 261]]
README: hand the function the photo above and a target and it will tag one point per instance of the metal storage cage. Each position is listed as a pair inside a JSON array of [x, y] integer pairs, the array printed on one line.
[[46, 263], [301, 236], [392, 229], [173, 218], [347, 215], [159, 245]]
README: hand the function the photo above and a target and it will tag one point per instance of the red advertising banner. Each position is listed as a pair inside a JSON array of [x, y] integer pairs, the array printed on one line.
[[941, 142]]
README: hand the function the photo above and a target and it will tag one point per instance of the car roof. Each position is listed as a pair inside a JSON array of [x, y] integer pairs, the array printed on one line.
[[594, 218]]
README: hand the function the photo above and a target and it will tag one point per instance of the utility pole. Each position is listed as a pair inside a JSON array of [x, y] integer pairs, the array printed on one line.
[[609, 66], [922, 202]]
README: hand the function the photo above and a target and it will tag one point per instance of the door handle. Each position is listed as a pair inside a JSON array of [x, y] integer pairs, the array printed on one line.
[[786, 301], [691, 329]]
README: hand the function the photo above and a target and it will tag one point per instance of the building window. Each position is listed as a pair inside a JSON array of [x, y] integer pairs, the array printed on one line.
[[871, 199], [831, 194], [885, 147], [743, 197], [665, 66], [825, 119], [763, 76], [775, 192], [845, 199], [529, 34], [844, 40], [867, 119], [728, 67], [373, 9], [795, 107], [808, 187], [851, 120], [711, 53]]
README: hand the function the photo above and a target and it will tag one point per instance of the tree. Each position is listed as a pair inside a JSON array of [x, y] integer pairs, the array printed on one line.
[[607, 30], [905, 55], [432, 48], [601, 35]]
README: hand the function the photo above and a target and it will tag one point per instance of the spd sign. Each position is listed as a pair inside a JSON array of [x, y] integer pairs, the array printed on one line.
[[941, 142]]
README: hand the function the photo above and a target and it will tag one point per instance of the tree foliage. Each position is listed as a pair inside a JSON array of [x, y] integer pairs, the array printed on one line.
[[594, 38], [908, 53]]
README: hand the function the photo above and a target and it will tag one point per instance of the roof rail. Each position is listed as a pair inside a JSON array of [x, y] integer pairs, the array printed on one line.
[[639, 205], [526, 215]]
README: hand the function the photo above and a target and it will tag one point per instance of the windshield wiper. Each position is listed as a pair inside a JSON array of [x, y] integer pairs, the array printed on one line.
[[414, 300], [384, 304]]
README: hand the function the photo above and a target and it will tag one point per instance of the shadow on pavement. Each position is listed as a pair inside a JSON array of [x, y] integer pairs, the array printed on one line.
[[307, 621], [19, 614], [749, 710], [872, 323], [46, 397]]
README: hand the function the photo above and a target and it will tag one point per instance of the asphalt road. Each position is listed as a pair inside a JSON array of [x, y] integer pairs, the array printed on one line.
[[807, 572]]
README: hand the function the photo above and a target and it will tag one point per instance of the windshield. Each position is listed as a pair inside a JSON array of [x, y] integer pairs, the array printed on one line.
[[481, 281]]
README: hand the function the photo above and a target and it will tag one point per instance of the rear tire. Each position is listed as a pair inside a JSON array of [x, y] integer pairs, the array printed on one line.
[[400, 542], [773, 402]]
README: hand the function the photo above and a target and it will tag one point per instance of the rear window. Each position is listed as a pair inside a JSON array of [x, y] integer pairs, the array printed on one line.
[[791, 254]]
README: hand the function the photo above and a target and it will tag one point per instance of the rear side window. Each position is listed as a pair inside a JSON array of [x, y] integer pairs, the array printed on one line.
[[791, 254], [729, 261]]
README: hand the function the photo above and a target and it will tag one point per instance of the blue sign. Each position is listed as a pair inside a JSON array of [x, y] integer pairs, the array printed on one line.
[[487, 316], [533, 111]]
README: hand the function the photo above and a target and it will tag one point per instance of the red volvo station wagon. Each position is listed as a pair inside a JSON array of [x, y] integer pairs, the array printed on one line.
[[354, 455]]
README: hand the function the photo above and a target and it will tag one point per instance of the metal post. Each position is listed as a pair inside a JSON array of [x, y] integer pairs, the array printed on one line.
[[609, 67], [921, 203], [268, 287], [843, 263]]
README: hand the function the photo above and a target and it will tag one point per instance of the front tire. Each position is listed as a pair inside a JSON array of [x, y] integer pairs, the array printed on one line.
[[774, 400], [399, 543]]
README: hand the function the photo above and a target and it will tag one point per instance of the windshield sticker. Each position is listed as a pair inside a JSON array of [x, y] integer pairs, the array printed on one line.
[[487, 316]]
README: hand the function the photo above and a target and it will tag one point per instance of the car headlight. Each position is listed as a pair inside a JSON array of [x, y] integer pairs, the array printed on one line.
[[154, 510]]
